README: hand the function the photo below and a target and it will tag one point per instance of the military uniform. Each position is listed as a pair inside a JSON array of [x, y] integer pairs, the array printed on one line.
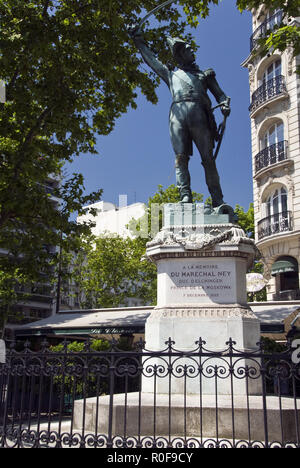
[[190, 120]]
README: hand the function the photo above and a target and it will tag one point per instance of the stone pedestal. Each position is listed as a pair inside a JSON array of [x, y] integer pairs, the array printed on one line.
[[153, 419], [202, 260], [201, 273]]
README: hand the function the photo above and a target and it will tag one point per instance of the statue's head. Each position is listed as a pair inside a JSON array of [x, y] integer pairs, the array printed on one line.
[[181, 51]]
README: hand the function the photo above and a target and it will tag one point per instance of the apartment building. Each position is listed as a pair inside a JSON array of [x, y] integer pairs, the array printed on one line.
[[275, 116]]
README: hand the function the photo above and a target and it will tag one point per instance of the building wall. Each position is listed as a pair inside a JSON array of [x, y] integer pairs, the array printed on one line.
[[112, 219], [275, 167]]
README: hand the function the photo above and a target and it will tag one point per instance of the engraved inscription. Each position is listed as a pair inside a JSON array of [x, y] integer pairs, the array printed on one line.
[[199, 281]]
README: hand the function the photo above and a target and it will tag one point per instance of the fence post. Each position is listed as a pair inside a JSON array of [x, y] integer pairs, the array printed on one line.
[[2, 352]]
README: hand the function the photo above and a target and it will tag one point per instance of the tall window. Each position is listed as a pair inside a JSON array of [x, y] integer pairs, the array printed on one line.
[[274, 134], [277, 219], [272, 71], [277, 202]]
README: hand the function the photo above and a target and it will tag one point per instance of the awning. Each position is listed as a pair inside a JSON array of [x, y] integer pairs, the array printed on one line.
[[114, 321], [284, 265]]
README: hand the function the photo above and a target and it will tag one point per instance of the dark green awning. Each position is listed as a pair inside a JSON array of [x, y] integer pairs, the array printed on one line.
[[284, 265]]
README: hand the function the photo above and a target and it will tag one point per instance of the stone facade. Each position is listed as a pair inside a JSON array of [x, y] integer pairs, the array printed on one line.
[[275, 132]]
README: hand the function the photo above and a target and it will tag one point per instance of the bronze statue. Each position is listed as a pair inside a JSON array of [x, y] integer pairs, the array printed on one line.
[[191, 115]]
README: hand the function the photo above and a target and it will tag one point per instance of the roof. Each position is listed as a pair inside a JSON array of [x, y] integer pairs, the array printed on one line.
[[274, 312], [100, 321]]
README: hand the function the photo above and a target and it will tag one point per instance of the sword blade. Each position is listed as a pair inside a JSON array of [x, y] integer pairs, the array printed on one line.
[[162, 5]]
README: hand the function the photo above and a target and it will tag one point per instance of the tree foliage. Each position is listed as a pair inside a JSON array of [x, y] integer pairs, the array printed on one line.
[[246, 219], [70, 71], [109, 271]]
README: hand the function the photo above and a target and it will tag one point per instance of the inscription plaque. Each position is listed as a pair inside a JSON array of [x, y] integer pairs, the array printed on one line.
[[197, 281]]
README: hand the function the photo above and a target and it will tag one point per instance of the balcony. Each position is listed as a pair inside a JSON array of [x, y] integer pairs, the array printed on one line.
[[267, 91], [275, 224], [268, 25], [273, 154]]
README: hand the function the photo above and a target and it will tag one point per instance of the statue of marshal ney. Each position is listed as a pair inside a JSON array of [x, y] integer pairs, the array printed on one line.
[[191, 113]]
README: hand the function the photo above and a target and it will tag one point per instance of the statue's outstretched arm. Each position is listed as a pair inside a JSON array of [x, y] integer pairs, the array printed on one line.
[[149, 57]]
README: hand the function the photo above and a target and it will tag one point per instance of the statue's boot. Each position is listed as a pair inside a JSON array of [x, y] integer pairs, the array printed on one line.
[[213, 182], [183, 178]]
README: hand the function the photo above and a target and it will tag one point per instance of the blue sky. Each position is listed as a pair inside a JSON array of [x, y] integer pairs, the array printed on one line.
[[137, 156]]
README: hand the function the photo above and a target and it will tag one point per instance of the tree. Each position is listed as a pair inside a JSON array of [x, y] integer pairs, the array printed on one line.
[[109, 270], [246, 219], [70, 71], [9, 294], [30, 243]]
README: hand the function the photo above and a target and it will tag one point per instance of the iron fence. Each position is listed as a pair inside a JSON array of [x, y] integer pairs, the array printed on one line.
[[140, 399]]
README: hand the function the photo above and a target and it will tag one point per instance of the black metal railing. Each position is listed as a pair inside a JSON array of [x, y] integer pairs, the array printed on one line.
[[268, 25], [268, 90], [274, 224], [145, 399], [271, 155]]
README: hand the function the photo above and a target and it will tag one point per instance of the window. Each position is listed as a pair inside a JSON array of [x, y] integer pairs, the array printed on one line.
[[272, 146], [277, 202], [272, 71], [274, 16], [277, 218], [267, 22], [271, 84], [274, 135]]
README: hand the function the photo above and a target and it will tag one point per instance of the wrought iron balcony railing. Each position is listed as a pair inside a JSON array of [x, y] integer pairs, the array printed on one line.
[[267, 25], [274, 224], [271, 155], [268, 90]]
